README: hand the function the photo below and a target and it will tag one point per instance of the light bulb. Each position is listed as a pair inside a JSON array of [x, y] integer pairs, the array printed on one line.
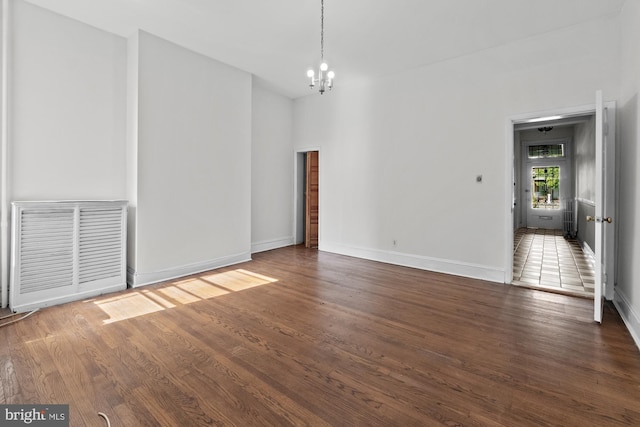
[[331, 74], [324, 66], [310, 73]]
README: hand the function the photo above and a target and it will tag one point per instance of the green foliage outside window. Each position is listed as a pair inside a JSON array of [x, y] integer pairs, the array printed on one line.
[[546, 181]]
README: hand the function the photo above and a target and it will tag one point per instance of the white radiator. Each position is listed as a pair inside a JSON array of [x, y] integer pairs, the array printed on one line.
[[65, 251]]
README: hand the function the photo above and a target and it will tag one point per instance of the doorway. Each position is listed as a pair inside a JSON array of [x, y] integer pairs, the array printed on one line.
[[553, 168], [307, 198], [602, 189]]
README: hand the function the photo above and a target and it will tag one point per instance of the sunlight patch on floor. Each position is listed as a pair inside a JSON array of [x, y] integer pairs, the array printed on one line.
[[127, 306], [180, 292], [179, 295], [238, 280], [201, 289]]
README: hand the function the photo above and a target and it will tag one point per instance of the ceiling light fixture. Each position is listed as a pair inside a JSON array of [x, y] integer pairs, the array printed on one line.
[[325, 77]]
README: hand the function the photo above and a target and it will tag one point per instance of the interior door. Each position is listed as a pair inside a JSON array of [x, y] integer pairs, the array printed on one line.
[[605, 205], [311, 200]]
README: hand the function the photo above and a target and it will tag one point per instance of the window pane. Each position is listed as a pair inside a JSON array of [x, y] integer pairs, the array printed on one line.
[[546, 151], [545, 186]]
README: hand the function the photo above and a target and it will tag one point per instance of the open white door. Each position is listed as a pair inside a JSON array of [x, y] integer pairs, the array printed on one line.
[[605, 205]]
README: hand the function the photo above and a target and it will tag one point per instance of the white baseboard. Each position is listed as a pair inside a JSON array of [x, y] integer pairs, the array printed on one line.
[[587, 249], [267, 245], [81, 295], [136, 279], [630, 318], [456, 268]]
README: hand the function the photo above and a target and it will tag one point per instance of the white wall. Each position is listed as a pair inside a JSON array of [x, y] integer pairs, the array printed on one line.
[[193, 162], [95, 116], [627, 293], [272, 160], [585, 155], [67, 108], [401, 153], [585, 163]]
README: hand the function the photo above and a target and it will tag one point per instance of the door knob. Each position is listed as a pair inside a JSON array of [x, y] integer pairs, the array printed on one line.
[[598, 219]]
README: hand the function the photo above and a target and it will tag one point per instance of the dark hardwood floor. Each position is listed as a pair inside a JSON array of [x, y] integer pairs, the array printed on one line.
[[300, 337]]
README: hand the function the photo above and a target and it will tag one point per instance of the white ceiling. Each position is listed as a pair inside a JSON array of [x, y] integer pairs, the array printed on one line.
[[278, 40]]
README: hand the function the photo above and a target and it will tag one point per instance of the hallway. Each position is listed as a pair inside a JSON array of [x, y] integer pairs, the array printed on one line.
[[544, 259]]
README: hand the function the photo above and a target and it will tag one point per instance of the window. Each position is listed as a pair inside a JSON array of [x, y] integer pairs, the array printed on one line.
[[545, 186], [546, 151]]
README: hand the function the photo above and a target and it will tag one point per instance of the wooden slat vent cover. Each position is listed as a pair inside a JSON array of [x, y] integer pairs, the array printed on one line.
[[100, 246], [46, 249], [67, 250]]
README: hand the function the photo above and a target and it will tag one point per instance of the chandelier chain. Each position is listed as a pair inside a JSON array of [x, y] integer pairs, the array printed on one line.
[[322, 30], [325, 76]]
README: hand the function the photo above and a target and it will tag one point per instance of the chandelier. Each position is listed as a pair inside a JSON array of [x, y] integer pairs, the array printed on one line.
[[325, 77]]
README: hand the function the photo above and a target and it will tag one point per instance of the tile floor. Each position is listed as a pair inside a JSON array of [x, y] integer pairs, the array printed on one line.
[[544, 259]]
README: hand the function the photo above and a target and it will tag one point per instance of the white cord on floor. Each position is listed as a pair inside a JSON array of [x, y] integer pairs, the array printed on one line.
[[105, 418], [9, 315], [18, 319]]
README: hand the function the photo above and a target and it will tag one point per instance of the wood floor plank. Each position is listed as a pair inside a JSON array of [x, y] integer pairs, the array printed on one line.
[[301, 337], [233, 353], [190, 363]]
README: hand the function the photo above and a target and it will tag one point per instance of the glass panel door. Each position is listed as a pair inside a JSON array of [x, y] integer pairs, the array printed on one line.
[[545, 187]]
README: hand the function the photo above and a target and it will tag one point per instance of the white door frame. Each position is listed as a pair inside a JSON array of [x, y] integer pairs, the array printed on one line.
[[509, 177]]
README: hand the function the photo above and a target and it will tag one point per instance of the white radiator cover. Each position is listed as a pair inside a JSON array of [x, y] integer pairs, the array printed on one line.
[[65, 251]]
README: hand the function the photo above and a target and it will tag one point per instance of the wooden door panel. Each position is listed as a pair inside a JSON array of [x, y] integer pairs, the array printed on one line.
[[311, 200]]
